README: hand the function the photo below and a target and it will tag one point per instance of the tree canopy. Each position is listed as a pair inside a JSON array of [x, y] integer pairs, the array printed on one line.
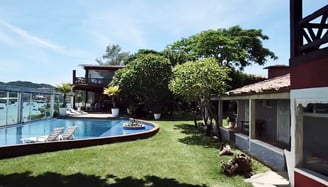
[[64, 88], [198, 80], [234, 47], [112, 56], [203, 65], [140, 53], [146, 79]]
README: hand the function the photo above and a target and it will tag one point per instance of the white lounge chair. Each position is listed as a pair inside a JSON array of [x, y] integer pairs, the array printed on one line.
[[68, 134], [53, 136], [78, 111], [72, 112]]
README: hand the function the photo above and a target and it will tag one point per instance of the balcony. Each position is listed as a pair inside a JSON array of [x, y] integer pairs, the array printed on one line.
[[91, 81]]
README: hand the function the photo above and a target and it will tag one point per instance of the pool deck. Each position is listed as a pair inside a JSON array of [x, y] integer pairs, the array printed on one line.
[[94, 115], [100, 115]]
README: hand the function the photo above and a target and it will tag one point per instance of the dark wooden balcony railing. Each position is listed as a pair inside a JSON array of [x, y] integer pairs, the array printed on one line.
[[92, 81], [314, 31]]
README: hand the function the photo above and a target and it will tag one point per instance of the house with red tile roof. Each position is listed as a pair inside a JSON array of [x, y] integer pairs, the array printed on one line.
[[307, 159], [262, 117], [273, 115]]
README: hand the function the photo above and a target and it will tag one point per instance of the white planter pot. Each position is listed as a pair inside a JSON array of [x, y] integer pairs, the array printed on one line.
[[115, 112], [157, 116], [62, 111]]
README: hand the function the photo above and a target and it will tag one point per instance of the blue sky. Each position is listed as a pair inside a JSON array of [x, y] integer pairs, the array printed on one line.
[[43, 41]]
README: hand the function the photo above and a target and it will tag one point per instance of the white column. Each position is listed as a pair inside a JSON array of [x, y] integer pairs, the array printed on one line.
[[20, 107], [7, 105], [252, 118], [52, 104], [237, 120], [290, 156], [299, 135]]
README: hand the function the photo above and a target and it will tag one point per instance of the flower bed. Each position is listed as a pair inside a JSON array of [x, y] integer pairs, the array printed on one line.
[[133, 125]]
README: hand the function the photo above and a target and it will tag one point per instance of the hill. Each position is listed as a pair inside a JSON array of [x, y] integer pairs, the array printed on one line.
[[27, 84]]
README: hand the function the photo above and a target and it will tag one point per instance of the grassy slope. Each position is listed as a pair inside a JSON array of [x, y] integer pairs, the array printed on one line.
[[177, 156]]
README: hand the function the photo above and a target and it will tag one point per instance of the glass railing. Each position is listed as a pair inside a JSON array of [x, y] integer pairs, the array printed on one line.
[[18, 105]]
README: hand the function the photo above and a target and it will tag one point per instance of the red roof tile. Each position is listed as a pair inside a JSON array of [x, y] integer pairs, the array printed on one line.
[[276, 84]]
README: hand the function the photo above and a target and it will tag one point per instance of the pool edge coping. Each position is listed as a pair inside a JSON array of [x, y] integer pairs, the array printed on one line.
[[36, 148]]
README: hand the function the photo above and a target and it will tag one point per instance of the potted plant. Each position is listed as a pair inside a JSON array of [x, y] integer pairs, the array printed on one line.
[[113, 92], [133, 125], [79, 100], [157, 111], [64, 89]]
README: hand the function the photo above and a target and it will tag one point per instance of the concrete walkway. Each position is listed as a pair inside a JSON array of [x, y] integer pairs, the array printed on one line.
[[268, 179]]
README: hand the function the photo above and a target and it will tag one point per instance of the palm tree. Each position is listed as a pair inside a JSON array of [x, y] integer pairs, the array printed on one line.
[[112, 91], [64, 88], [113, 56]]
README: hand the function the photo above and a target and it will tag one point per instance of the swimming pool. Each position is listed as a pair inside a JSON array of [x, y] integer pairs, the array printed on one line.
[[87, 129]]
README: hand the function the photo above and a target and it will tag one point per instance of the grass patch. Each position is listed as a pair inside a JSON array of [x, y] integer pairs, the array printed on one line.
[[178, 155]]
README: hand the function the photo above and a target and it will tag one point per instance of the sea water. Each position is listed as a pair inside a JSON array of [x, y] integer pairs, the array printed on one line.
[[9, 112]]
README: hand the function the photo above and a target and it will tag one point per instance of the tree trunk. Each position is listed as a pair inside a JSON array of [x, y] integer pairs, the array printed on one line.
[[113, 101], [212, 115], [194, 112]]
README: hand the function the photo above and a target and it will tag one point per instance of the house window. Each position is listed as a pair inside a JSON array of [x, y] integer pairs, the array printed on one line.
[[100, 76], [315, 138]]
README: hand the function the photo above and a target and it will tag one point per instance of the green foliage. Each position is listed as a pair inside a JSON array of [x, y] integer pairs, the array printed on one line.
[[113, 56], [64, 88], [79, 97], [175, 57], [140, 53], [233, 47], [112, 91], [239, 79], [146, 79], [199, 80]]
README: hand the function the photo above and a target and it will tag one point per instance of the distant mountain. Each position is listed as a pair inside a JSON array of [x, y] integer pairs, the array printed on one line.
[[27, 84]]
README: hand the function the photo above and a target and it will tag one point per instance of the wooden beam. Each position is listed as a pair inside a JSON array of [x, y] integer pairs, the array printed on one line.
[[315, 44], [295, 30], [316, 25], [312, 16]]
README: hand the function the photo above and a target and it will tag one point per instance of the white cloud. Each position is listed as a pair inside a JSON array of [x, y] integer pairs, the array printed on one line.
[[56, 42], [24, 37]]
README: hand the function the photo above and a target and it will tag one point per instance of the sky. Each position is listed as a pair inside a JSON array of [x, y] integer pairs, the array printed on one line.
[[44, 41]]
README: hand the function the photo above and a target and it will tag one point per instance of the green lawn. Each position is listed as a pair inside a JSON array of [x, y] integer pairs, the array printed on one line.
[[177, 156]]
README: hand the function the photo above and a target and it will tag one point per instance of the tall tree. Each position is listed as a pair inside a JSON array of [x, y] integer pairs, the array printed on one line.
[[64, 88], [234, 47], [140, 53], [113, 56], [240, 79], [146, 78], [198, 81], [175, 57]]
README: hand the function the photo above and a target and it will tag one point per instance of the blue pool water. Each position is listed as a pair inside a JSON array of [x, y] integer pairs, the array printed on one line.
[[87, 128]]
